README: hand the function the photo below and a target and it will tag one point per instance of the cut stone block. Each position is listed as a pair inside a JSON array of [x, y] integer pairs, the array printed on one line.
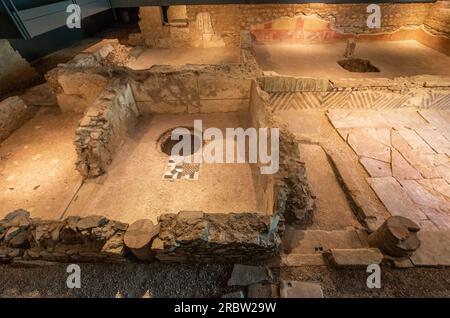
[[263, 291], [244, 275], [295, 289], [350, 258], [416, 159], [434, 250]]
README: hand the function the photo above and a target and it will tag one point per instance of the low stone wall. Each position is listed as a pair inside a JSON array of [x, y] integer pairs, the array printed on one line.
[[287, 192], [13, 114], [15, 72], [182, 237], [104, 127]]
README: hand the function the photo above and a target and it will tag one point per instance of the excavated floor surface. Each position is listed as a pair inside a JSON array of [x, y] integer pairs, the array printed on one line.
[[37, 165], [393, 59]]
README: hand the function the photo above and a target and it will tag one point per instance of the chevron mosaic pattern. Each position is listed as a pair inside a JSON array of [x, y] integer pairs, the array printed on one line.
[[360, 100]]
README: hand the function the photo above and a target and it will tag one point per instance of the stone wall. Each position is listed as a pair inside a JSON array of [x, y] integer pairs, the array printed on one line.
[[223, 23], [13, 114], [15, 72], [438, 19], [104, 127]]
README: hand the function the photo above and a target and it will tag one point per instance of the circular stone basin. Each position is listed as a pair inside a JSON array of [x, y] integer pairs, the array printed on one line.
[[166, 144], [358, 65]]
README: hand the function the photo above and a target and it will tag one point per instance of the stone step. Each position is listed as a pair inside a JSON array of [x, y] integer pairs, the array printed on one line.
[[354, 258]]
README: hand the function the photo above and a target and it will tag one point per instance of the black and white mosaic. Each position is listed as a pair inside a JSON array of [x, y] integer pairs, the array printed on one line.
[[177, 169]]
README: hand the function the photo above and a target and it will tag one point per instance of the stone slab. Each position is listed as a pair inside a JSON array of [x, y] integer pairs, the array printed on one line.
[[296, 289], [236, 294], [395, 198]]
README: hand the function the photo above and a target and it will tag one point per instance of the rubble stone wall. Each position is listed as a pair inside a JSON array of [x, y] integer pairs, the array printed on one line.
[[193, 89], [15, 71], [90, 239], [104, 127]]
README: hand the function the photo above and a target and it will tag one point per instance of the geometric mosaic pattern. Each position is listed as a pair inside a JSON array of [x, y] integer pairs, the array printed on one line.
[[179, 170], [359, 100]]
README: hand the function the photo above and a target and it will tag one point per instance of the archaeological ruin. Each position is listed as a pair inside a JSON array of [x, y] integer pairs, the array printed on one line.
[[350, 103]]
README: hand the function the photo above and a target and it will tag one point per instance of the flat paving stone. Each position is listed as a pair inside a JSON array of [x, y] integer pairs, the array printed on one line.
[[236, 294], [368, 147], [395, 198], [376, 168], [440, 119], [434, 249], [421, 196], [401, 169], [263, 291], [295, 289], [415, 141]]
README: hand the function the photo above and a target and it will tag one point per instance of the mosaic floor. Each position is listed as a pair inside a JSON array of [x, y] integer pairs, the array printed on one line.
[[177, 169]]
